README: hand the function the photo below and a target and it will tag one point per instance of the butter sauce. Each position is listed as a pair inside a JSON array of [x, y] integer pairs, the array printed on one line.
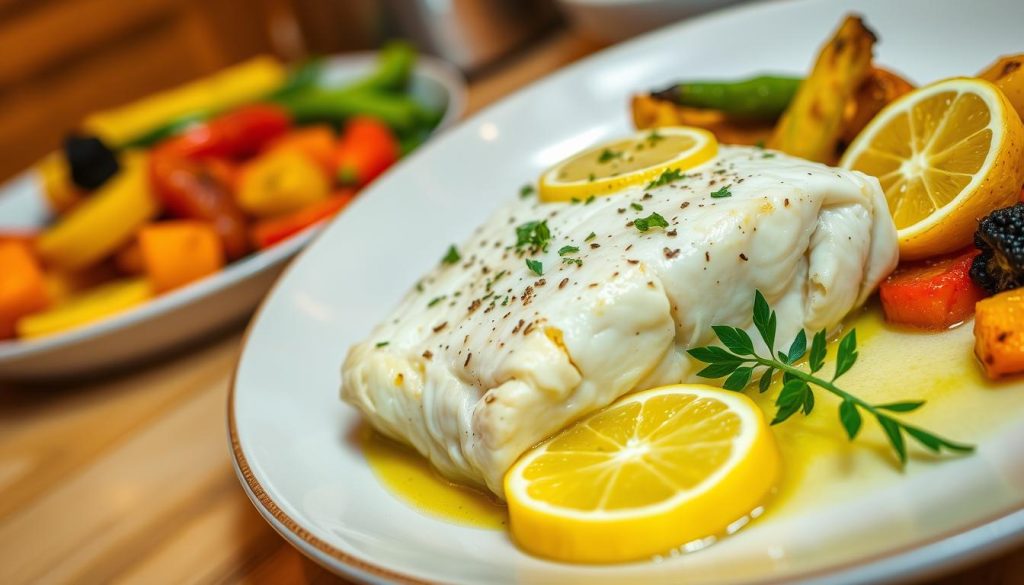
[[819, 462]]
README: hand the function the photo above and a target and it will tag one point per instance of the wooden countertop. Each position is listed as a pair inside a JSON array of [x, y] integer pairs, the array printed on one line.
[[128, 479]]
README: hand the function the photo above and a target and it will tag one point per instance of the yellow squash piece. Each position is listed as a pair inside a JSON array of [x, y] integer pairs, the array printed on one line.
[[637, 159], [812, 125], [245, 82], [105, 221], [652, 472], [1008, 75], [945, 155], [55, 176], [280, 182], [98, 303]]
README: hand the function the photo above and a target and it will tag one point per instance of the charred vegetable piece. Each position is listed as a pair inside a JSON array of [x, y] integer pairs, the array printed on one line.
[[22, 286], [758, 98], [175, 253], [367, 148], [811, 126], [879, 88], [1000, 237], [195, 190], [934, 294], [90, 160], [999, 333], [651, 113], [1008, 75]]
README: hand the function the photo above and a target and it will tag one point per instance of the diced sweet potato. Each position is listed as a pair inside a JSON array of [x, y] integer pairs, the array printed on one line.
[[999, 333], [175, 253], [22, 286]]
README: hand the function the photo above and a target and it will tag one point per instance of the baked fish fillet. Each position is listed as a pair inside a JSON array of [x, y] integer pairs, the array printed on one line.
[[485, 358]]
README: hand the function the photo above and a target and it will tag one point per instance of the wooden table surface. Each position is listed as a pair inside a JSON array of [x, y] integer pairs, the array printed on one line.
[[128, 479]]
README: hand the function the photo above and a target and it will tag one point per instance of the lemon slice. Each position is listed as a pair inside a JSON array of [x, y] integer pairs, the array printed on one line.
[[945, 154], [641, 158], [656, 470]]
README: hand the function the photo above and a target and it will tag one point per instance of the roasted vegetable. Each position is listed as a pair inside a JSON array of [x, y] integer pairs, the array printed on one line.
[[401, 112], [999, 333], [761, 98], [366, 149], [1000, 237], [93, 305], [317, 143], [268, 232], [812, 125], [1008, 75], [279, 182], [104, 222], [90, 161], [194, 190], [933, 294], [175, 253], [22, 286], [651, 113], [879, 88], [237, 134], [55, 178], [230, 87]]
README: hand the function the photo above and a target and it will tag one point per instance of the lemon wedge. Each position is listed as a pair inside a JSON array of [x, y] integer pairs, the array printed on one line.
[[641, 158], [945, 154], [656, 470]]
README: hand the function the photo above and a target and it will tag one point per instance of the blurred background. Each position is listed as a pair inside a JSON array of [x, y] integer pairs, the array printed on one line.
[[54, 70]]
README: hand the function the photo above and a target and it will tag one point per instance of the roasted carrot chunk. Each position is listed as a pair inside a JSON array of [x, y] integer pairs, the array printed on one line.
[[933, 294], [999, 333], [175, 253], [22, 285]]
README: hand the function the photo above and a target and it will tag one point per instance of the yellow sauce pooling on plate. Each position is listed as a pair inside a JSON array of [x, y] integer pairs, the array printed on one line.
[[818, 461], [408, 475]]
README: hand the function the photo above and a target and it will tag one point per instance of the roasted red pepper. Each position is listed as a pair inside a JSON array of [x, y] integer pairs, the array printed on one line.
[[933, 294], [192, 189], [268, 232], [366, 149], [237, 134]]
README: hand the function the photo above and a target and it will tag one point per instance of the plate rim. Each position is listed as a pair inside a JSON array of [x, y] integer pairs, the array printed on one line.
[[956, 547], [441, 72]]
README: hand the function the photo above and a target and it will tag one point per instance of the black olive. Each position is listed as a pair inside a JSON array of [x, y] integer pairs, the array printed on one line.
[[91, 162]]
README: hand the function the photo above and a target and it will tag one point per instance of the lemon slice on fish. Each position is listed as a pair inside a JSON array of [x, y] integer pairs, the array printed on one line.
[[624, 162], [656, 470]]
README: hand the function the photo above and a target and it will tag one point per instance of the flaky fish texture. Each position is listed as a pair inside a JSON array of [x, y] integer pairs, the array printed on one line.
[[485, 358]]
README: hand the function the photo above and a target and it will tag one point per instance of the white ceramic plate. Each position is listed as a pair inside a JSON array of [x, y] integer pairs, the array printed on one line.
[[205, 306], [292, 438]]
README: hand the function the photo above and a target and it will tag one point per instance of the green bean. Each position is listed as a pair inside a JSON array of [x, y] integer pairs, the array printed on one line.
[[335, 105], [394, 68], [758, 98]]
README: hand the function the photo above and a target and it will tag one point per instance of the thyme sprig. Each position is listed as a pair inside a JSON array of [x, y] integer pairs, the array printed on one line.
[[738, 360]]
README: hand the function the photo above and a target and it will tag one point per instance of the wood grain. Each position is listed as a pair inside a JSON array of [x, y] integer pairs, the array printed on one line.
[[128, 479]]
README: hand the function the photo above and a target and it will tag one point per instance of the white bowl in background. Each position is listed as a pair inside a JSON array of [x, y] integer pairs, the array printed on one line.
[[202, 308]]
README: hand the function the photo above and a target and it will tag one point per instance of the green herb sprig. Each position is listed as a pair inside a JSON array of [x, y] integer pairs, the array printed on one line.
[[534, 234], [738, 360]]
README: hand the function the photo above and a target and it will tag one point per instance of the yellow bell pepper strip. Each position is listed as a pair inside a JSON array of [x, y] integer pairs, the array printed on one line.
[[280, 182], [175, 253], [55, 175], [96, 304], [242, 83], [104, 222], [22, 286]]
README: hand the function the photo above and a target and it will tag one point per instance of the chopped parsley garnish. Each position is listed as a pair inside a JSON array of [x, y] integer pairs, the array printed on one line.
[[526, 190], [419, 286], [567, 250], [535, 266], [759, 145], [608, 155], [590, 200], [436, 300], [576, 261], [591, 177], [590, 237], [653, 220], [768, 155], [723, 192], [452, 256], [575, 201], [382, 343], [637, 206], [669, 176], [534, 234], [654, 137]]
